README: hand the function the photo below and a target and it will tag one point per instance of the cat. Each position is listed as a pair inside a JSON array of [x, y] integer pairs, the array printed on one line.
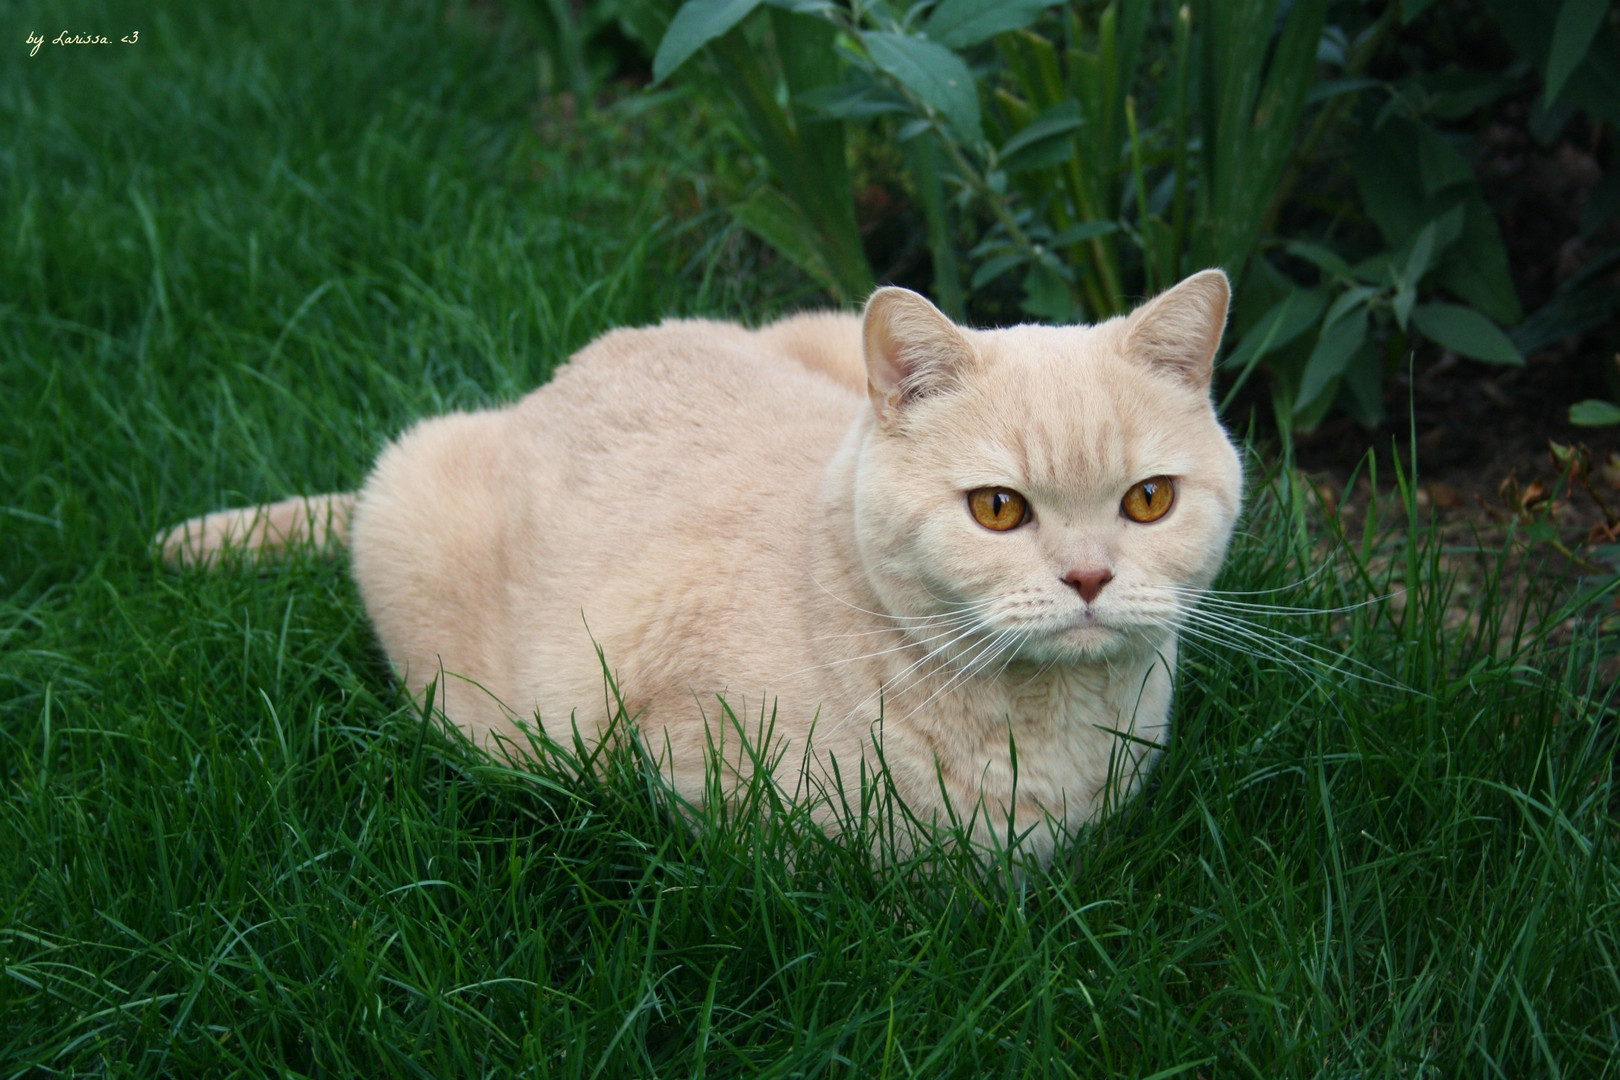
[[968, 551]]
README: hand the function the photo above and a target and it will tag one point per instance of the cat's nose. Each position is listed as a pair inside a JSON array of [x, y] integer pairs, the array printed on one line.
[[1088, 583]]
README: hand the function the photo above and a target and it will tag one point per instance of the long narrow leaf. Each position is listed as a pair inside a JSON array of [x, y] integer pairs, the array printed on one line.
[[1578, 22], [960, 23], [697, 23]]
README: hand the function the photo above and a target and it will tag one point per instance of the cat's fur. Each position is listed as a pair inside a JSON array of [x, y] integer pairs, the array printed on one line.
[[777, 518]]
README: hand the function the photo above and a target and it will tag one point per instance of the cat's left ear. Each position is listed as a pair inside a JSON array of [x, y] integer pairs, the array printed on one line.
[[1179, 330], [913, 350]]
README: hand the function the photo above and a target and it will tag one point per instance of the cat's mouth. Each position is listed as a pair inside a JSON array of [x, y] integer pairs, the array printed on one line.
[[1088, 633]]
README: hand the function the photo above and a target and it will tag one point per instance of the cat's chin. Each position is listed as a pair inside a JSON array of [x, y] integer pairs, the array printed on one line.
[[1086, 643]]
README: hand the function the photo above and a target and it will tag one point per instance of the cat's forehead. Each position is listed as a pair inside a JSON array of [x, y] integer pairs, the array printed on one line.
[[1063, 408]]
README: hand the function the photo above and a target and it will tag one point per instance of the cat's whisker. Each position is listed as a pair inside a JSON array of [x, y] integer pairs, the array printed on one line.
[[1210, 598], [899, 684], [949, 628], [1219, 645], [1307, 579], [1287, 612], [1289, 649], [1008, 657], [913, 675], [979, 605], [986, 655], [947, 619]]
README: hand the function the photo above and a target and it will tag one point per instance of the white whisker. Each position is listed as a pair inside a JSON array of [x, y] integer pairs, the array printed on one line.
[[946, 630], [953, 608], [1305, 656], [987, 654]]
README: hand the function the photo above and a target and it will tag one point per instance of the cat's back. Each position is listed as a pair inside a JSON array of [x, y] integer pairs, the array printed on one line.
[[686, 370], [686, 402], [664, 475]]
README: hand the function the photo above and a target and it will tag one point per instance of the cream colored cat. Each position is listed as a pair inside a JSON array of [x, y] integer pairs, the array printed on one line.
[[883, 530]]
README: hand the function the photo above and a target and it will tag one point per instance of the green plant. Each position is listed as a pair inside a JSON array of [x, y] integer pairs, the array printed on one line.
[[1089, 153], [1052, 144], [1574, 46], [805, 208]]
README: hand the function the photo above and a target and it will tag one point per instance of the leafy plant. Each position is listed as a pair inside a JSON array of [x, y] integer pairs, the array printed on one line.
[[1048, 141], [1086, 154], [1440, 236], [764, 69]]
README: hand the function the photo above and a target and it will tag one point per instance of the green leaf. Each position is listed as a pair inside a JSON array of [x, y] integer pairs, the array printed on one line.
[[923, 160], [769, 215], [1363, 387], [937, 76], [1045, 141], [1088, 230], [1334, 349], [1284, 321], [1577, 27], [1592, 413], [1448, 227], [850, 101], [994, 268], [1453, 95], [697, 23], [1405, 297], [1326, 261], [1465, 331], [1377, 269], [1417, 260], [1046, 294], [1250, 124], [1332, 88], [1441, 164], [1348, 301], [960, 23]]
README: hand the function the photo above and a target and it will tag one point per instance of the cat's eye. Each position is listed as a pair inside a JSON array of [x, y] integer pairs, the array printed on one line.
[[999, 509], [1149, 500]]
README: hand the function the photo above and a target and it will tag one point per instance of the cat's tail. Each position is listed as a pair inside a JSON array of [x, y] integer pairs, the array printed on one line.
[[319, 521]]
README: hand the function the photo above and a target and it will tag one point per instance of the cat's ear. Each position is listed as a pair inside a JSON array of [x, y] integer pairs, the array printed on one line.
[[912, 349], [1179, 330]]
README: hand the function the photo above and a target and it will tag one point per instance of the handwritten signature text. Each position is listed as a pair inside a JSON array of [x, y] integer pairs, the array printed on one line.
[[68, 37]]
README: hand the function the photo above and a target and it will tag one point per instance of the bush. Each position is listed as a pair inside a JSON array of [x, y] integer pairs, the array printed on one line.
[[1087, 154]]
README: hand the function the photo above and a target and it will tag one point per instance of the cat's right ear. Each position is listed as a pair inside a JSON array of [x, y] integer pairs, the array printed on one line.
[[912, 350], [1179, 330]]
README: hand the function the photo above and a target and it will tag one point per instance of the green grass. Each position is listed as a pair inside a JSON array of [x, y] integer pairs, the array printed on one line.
[[242, 253]]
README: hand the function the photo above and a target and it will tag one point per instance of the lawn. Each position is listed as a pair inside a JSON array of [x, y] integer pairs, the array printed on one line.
[[244, 250]]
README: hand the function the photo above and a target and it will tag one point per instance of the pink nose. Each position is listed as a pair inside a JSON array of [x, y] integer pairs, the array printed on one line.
[[1088, 583]]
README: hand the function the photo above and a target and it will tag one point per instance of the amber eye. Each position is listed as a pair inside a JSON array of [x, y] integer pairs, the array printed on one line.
[[998, 508], [1149, 500]]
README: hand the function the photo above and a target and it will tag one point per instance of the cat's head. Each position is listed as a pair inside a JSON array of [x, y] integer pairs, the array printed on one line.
[[1064, 490]]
